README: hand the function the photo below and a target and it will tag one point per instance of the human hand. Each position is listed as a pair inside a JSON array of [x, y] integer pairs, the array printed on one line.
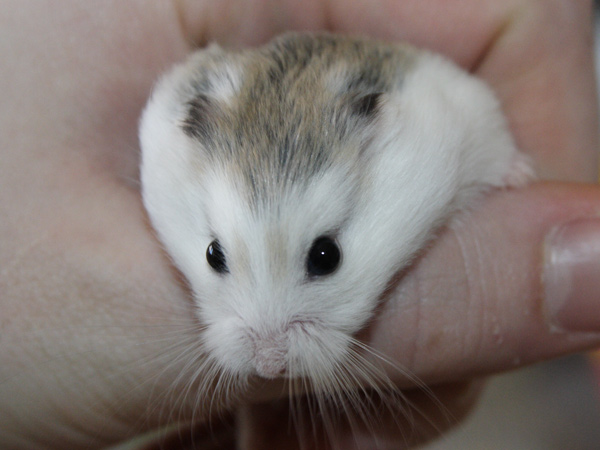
[[96, 330]]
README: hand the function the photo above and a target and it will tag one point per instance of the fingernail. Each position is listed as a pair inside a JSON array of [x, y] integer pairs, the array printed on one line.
[[572, 276]]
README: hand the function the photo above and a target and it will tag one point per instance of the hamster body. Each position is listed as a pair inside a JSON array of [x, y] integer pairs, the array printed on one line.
[[289, 183]]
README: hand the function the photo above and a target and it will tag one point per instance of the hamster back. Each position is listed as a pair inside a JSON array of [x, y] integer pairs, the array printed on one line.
[[290, 182]]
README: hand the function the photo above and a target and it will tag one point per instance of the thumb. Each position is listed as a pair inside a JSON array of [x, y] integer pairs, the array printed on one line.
[[517, 282]]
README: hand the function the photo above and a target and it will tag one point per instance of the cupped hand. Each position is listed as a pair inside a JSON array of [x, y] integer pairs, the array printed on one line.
[[98, 340]]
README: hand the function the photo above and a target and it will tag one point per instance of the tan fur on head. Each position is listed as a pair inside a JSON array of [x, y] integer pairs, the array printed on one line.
[[297, 109]]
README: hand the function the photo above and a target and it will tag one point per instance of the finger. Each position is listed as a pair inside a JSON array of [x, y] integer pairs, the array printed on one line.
[[515, 284], [421, 417], [431, 24], [542, 67]]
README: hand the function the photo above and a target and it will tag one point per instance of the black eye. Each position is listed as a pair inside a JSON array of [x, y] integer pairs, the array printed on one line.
[[323, 258], [215, 257]]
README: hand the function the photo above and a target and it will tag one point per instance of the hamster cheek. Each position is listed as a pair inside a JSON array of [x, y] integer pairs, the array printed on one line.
[[229, 347]]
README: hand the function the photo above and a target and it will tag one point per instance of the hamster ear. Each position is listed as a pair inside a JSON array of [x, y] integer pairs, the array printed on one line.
[[197, 123], [217, 76], [366, 105]]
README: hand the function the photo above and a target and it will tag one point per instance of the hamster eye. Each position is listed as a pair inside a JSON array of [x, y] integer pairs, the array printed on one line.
[[323, 257], [216, 257]]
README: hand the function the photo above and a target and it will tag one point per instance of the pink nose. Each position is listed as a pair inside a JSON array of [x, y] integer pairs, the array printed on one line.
[[270, 363], [270, 354]]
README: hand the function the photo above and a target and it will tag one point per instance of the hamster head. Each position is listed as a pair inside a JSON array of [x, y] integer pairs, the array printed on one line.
[[290, 182]]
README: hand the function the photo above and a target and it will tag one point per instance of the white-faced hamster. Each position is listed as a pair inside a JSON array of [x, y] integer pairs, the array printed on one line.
[[289, 183]]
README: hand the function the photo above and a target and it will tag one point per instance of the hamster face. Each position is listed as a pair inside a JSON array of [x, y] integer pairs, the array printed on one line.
[[283, 291], [290, 182]]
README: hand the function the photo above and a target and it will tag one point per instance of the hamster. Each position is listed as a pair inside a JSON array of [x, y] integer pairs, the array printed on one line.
[[290, 182]]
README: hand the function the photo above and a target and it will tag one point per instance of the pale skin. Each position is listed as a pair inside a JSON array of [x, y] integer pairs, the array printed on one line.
[[90, 309]]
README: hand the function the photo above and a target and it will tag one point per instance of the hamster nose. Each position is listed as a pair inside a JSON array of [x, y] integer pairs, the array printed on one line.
[[270, 354], [270, 363]]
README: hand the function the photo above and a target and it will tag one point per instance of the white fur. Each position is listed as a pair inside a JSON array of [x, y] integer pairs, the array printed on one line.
[[440, 140]]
